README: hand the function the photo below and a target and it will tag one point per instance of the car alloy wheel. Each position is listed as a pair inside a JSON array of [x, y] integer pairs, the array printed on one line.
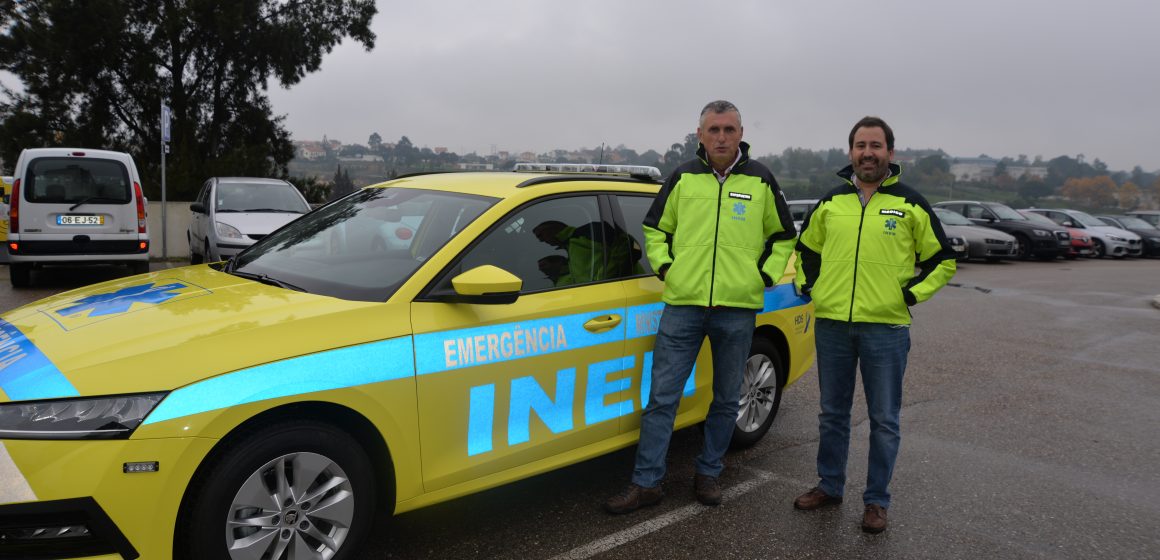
[[1098, 250], [760, 394], [297, 506], [1022, 247], [297, 490]]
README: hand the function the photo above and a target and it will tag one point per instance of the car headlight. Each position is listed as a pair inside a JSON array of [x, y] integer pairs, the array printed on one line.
[[226, 231], [89, 418], [1117, 238], [1042, 233]]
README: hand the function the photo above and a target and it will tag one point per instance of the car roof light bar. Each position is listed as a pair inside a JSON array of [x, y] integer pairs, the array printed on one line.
[[636, 171]]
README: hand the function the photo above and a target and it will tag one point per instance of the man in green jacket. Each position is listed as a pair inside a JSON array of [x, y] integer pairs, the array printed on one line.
[[718, 233], [856, 257]]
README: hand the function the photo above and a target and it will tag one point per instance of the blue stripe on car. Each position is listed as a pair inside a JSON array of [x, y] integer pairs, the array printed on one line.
[[333, 369], [25, 372]]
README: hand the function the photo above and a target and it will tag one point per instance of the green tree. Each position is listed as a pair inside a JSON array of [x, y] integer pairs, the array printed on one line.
[[313, 188], [94, 74]]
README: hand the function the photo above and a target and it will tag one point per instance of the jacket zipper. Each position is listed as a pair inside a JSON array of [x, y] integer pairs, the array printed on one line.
[[716, 233], [857, 250]]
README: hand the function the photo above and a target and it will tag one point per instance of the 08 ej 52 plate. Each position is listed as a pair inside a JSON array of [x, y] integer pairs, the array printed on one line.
[[79, 220]]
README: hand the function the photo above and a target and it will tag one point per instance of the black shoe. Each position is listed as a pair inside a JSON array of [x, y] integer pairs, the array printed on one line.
[[633, 498], [707, 490]]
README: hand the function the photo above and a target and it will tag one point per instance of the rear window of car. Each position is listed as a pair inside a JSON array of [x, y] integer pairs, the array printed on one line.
[[73, 180]]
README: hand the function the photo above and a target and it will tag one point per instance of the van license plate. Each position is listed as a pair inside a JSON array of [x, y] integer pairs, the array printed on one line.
[[80, 220]]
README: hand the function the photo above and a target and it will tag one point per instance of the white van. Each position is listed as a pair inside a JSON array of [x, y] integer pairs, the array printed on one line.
[[75, 205]]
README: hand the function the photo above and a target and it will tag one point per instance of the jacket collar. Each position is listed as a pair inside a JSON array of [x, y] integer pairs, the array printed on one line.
[[847, 174], [703, 155]]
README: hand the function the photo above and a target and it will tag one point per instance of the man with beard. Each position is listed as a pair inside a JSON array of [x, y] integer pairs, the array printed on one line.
[[856, 257]]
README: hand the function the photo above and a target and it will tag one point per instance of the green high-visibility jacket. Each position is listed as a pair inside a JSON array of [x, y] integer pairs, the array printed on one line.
[[858, 263], [719, 244]]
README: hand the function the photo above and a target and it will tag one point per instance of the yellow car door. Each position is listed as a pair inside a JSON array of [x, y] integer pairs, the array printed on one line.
[[505, 390]]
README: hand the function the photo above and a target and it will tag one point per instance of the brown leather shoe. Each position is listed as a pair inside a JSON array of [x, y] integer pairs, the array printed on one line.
[[707, 490], [633, 498], [815, 499], [874, 519]]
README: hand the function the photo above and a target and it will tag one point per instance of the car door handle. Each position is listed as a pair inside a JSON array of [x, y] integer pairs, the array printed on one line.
[[602, 323]]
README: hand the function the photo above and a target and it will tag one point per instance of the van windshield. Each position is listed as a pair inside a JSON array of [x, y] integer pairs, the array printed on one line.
[[73, 180]]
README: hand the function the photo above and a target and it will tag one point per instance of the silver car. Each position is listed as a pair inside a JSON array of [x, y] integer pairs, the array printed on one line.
[[982, 243], [231, 213]]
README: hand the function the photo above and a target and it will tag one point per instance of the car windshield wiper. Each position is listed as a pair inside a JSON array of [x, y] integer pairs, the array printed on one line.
[[266, 279], [270, 210], [93, 199]]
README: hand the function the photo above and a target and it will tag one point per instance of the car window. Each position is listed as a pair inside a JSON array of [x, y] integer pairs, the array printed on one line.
[[72, 180], [634, 209], [1134, 223], [346, 249], [550, 244], [978, 212]]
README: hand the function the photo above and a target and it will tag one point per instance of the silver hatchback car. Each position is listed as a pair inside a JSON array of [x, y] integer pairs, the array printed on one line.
[[231, 213]]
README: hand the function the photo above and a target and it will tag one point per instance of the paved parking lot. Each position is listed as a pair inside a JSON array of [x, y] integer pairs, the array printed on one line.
[[1029, 431]]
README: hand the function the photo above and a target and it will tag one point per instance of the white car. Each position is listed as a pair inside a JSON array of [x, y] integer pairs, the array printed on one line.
[[231, 213], [801, 208], [76, 206], [1107, 240]]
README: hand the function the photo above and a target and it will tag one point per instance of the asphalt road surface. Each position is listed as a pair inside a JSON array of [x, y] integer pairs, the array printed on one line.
[[1030, 429]]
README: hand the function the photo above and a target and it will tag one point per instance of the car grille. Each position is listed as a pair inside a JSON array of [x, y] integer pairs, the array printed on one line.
[[70, 528]]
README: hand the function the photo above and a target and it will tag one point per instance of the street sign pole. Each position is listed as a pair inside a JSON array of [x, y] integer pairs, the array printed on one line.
[[164, 148]]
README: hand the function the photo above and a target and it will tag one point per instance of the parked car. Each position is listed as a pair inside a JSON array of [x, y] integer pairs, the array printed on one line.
[[1150, 216], [1107, 240], [982, 243], [231, 213], [272, 405], [75, 206], [1149, 234], [1031, 239], [801, 208], [1081, 242]]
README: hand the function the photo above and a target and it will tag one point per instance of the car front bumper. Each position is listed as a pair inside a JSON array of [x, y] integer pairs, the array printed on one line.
[[78, 491]]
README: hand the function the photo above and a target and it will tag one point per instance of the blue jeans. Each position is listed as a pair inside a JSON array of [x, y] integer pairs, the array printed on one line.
[[682, 330], [879, 351]]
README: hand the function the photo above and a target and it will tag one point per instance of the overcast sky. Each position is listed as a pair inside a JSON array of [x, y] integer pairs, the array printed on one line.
[[1001, 77]]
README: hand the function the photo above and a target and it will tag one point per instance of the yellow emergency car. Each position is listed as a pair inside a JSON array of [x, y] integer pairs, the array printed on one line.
[[416, 341]]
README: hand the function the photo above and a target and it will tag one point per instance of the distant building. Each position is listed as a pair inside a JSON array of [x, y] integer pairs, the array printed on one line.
[[439, 149]]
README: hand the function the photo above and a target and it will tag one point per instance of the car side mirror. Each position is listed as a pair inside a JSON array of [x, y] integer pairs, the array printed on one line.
[[197, 207], [1068, 223], [485, 284]]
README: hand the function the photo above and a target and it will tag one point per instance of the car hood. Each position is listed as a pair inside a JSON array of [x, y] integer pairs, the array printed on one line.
[[972, 233], [1109, 230], [256, 223], [168, 329]]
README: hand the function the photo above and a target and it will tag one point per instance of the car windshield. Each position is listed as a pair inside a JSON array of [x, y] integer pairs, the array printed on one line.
[[1040, 219], [952, 219], [259, 197], [362, 247], [1134, 223], [1086, 219], [1005, 212]]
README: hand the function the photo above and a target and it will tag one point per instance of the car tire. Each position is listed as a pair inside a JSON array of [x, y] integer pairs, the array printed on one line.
[[194, 258], [760, 399], [253, 497], [20, 274], [139, 267], [1098, 249], [1022, 247]]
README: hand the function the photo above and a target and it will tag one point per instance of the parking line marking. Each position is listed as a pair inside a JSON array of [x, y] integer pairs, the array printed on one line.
[[655, 524]]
